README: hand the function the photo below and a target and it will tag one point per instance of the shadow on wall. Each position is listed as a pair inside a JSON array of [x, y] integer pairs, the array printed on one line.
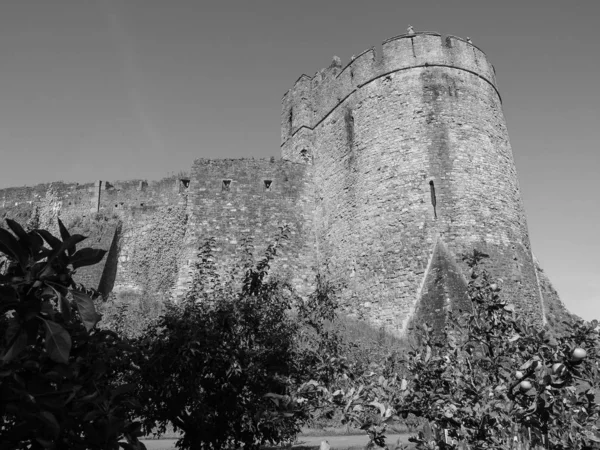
[[444, 290], [109, 274]]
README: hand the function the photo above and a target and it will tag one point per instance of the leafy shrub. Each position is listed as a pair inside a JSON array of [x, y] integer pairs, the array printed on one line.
[[491, 381], [221, 364], [129, 313], [494, 379], [61, 378]]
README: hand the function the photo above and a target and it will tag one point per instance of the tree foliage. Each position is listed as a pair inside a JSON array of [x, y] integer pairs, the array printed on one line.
[[493, 379], [60, 383], [490, 381], [220, 365]]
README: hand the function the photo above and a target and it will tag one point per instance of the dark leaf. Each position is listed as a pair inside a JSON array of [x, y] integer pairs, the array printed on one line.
[[4, 249], [48, 309], [64, 234], [45, 443], [51, 423], [18, 345], [8, 294], [91, 415], [87, 311], [4, 278], [11, 331], [10, 246], [37, 244], [61, 293], [18, 230], [58, 342], [87, 257], [123, 389], [52, 241], [61, 249]]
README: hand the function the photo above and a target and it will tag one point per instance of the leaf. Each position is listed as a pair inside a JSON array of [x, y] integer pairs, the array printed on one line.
[[51, 422], [36, 244], [87, 311], [18, 345], [378, 405], [56, 251], [61, 294], [64, 235], [13, 328], [123, 389], [58, 342], [514, 338], [70, 242], [8, 294], [44, 442], [18, 230], [11, 246], [87, 257], [52, 241]]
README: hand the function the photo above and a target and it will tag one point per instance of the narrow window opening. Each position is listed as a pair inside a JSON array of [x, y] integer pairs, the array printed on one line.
[[291, 119], [141, 204], [349, 118], [226, 186], [268, 185], [433, 199]]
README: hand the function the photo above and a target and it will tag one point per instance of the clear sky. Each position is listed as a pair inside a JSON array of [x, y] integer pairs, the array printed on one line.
[[119, 89]]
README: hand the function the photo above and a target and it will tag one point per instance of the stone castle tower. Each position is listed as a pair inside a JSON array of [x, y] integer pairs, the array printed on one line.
[[412, 168], [393, 166]]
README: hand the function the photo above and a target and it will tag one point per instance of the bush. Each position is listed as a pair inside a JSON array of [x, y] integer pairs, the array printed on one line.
[[493, 379], [129, 313], [220, 366], [489, 381], [61, 378]]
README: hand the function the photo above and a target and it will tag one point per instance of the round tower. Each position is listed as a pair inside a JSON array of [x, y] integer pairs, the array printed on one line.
[[412, 169]]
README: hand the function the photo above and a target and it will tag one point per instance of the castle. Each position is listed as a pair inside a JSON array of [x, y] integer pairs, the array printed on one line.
[[393, 166]]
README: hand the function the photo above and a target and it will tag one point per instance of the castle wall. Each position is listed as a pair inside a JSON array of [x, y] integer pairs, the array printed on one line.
[[143, 224], [381, 130], [394, 165], [261, 196]]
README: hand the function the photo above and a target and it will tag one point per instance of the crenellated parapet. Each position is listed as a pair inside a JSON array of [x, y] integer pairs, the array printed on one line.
[[312, 99]]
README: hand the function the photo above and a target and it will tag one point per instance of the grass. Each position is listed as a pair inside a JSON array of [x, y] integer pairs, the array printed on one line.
[[340, 438]]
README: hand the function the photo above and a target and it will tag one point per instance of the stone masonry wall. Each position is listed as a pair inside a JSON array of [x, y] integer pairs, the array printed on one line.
[[394, 165], [231, 200], [143, 224], [381, 133]]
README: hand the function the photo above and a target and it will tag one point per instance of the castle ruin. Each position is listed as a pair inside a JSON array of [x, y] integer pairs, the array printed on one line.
[[393, 166]]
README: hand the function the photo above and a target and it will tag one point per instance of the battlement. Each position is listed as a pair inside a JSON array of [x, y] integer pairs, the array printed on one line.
[[99, 195], [311, 99]]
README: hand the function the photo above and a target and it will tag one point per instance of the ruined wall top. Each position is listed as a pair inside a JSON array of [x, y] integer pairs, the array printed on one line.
[[311, 99]]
